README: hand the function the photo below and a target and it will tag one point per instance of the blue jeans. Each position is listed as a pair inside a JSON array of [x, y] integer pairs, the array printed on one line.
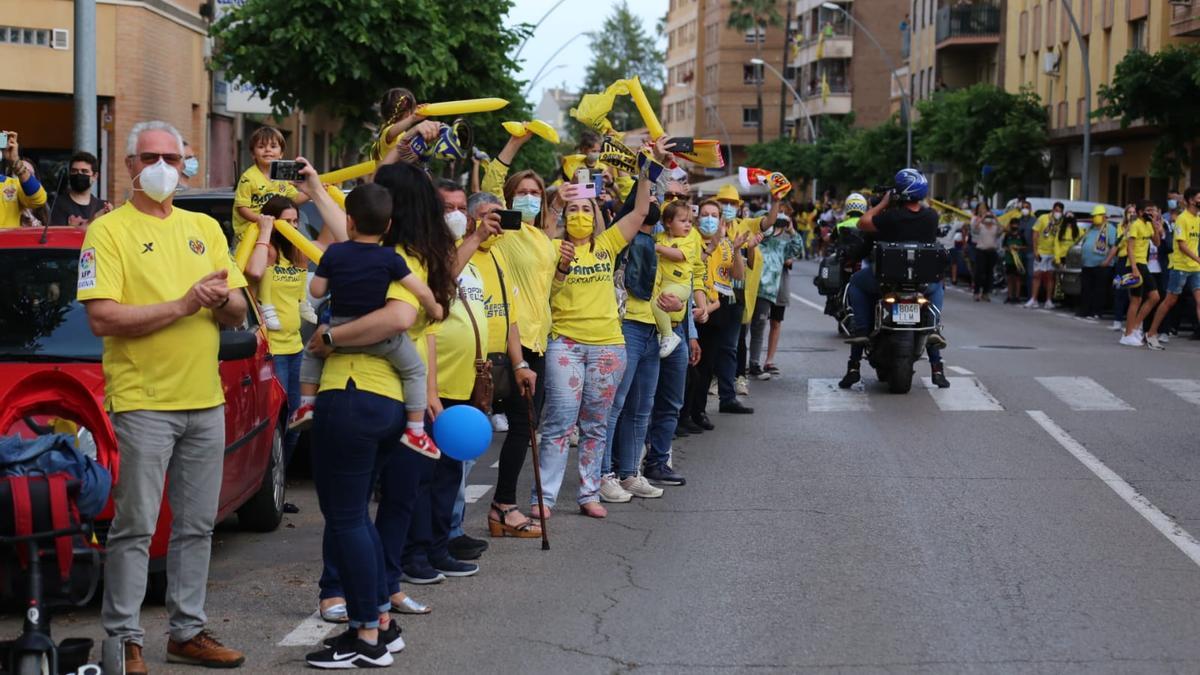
[[629, 416], [668, 399], [460, 502], [863, 293], [287, 371], [354, 434]]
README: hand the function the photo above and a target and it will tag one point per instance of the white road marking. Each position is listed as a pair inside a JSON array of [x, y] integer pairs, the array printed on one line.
[[965, 394], [1162, 522], [824, 395], [475, 492], [1083, 393], [310, 632], [1188, 390], [496, 464], [959, 369], [810, 303]]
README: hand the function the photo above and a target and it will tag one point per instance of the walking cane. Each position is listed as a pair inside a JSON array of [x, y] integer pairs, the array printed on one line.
[[537, 466]]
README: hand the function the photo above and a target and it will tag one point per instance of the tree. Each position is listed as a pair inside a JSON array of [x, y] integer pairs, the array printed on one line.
[[1160, 89], [341, 55], [746, 15], [622, 49]]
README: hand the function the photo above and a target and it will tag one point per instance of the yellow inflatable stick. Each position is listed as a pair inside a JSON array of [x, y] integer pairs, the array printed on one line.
[[349, 173], [338, 196], [246, 246], [450, 108], [649, 118], [536, 127], [298, 240]]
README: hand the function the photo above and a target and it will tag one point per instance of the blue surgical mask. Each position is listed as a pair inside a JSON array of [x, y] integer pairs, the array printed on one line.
[[729, 211], [529, 206], [191, 167], [708, 225], [1172, 204]]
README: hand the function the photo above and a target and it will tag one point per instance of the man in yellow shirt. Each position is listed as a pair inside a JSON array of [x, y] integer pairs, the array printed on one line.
[[158, 284], [1184, 276], [1045, 233], [19, 188]]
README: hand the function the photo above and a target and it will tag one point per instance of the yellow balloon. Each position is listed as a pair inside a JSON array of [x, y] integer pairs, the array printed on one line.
[[246, 246], [644, 108], [298, 240]]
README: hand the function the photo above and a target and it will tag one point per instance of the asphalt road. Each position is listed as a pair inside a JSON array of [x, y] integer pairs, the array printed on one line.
[[1009, 524]]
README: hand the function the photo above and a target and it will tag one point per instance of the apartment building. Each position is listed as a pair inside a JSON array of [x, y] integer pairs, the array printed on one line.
[[711, 85], [1042, 52], [838, 69], [954, 44], [151, 63]]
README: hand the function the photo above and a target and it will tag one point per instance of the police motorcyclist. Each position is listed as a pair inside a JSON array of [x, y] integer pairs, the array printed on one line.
[[855, 206], [909, 221]]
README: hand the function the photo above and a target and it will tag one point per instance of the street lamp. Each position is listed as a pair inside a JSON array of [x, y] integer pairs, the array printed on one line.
[[1087, 103], [812, 132], [906, 100]]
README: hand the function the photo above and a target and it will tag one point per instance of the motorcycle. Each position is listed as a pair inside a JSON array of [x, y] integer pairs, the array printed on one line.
[[833, 281], [904, 316]]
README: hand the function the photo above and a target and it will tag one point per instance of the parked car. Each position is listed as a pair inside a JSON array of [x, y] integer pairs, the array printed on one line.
[[1070, 277], [43, 327]]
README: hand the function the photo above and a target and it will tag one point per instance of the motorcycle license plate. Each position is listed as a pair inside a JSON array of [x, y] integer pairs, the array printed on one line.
[[906, 313]]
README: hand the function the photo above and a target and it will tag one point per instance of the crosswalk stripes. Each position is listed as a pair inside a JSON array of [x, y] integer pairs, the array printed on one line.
[[824, 395], [966, 394], [475, 492], [1083, 393], [1188, 390]]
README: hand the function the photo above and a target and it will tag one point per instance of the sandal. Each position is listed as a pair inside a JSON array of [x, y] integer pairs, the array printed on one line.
[[593, 510], [410, 606], [335, 613], [500, 527]]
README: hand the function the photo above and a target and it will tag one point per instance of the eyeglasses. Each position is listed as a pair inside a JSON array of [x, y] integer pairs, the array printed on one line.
[[153, 157], [79, 172], [675, 195]]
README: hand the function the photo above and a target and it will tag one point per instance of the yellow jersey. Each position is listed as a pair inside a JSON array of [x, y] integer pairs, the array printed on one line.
[[253, 190], [287, 292], [1047, 231], [497, 289], [531, 257], [1140, 232], [680, 272], [138, 259], [720, 271], [1187, 230], [455, 339], [583, 306], [13, 199], [753, 263]]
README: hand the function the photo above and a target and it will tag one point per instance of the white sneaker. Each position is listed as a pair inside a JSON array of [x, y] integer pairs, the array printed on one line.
[[270, 318], [1154, 342], [712, 388], [1116, 325], [1164, 338], [499, 422], [1137, 333], [1131, 341], [1051, 305], [1031, 304], [307, 313], [742, 386], [668, 344], [638, 486], [611, 490]]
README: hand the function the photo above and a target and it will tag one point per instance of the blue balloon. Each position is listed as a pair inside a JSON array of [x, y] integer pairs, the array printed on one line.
[[462, 432]]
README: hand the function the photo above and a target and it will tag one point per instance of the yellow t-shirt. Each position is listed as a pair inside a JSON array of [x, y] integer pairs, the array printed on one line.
[[1122, 236], [720, 270], [499, 315], [1187, 229], [287, 291], [138, 259], [1140, 232], [1047, 232], [753, 263], [455, 339], [682, 272], [13, 200], [531, 257], [495, 173], [253, 190], [1063, 241], [583, 307]]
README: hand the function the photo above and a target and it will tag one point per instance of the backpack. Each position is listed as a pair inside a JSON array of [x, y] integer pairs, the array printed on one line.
[[57, 454]]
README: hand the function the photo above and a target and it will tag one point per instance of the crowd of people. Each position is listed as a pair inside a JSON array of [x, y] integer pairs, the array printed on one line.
[[591, 321]]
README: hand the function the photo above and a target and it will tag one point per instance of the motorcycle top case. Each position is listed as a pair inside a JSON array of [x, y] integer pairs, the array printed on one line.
[[907, 262], [829, 275]]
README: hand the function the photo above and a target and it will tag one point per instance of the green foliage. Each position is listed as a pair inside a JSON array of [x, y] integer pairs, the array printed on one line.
[[844, 158], [1162, 89], [746, 14], [342, 55], [622, 49], [983, 125]]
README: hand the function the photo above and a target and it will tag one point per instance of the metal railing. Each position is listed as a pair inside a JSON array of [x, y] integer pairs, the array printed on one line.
[[979, 20]]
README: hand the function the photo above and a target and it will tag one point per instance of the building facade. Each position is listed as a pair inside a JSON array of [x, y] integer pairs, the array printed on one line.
[[1043, 53]]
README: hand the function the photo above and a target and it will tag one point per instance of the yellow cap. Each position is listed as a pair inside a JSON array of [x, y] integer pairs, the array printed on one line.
[[1099, 210], [728, 193]]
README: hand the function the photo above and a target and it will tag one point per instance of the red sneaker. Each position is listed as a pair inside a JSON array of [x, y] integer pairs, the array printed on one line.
[[421, 443], [302, 418]]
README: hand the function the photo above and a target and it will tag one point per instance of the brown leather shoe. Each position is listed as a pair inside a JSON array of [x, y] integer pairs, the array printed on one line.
[[134, 664], [203, 650]]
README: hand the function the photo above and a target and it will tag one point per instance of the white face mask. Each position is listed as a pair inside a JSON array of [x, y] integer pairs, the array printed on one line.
[[1024, 212], [457, 222], [158, 180]]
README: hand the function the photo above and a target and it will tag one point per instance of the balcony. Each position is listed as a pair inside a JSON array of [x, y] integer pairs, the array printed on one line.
[[1185, 19], [977, 24]]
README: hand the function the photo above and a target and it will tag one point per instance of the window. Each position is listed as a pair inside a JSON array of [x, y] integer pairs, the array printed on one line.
[[1037, 28], [750, 117], [33, 37], [1084, 17], [756, 34], [752, 74], [710, 33], [1138, 35], [1023, 34]]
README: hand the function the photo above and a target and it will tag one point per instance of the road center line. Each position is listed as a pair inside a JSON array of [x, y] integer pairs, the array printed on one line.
[[808, 302], [1166, 525], [310, 632]]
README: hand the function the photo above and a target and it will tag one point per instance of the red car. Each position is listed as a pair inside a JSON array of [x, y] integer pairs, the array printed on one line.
[[50, 372]]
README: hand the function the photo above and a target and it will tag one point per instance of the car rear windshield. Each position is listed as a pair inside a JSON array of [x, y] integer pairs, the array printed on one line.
[[40, 319]]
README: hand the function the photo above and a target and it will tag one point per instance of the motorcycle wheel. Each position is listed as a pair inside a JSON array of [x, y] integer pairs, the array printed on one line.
[[899, 381]]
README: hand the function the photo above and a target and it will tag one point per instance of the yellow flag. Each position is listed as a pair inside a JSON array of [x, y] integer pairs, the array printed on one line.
[[821, 46], [824, 89]]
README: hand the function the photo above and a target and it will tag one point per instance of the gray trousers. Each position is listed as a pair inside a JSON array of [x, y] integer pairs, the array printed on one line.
[[188, 448]]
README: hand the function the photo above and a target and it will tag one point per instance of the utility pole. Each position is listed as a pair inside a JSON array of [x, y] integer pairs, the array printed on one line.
[[787, 53], [1085, 168], [85, 76]]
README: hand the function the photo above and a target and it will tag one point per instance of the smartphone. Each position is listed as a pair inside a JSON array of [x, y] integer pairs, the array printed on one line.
[[4, 140], [585, 181], [682, 144], [510, 220], [598, 179], [285, 169]]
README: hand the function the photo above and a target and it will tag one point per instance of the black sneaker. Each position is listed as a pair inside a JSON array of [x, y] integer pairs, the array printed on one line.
[[467, 548], [852, 376], [680, 432], [347, 651], [454, 568], [661, 474], [772, 369], [703, 422], [756, 372], [687, 426], [388, 637], [938, 376], [736, 408], [422, 576]]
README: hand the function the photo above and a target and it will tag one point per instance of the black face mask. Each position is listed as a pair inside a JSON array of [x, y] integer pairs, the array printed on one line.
[[79, 182]]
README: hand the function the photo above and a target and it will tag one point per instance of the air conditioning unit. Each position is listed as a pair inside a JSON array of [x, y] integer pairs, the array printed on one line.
[[60, 38], [1050, 63]]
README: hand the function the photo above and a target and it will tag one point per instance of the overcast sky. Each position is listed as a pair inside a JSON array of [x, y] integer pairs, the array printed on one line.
[[570, 18]]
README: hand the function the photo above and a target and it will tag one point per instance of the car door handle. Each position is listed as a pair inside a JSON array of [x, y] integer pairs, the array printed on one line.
[[247, 381]]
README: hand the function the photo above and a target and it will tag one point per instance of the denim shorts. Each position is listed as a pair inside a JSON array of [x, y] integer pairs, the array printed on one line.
[[1180, 282]]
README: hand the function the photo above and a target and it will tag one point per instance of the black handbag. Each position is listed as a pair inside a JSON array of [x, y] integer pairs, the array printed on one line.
[[502, 366]]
